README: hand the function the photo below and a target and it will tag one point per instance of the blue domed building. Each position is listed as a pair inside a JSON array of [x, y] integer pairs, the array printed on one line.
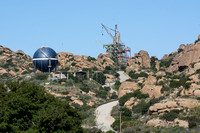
[[45, 59]]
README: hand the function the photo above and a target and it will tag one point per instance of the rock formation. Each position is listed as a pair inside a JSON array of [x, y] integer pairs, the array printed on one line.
[[150, 87], [127, 87], [186, 55], [178, 103], [140, 59]]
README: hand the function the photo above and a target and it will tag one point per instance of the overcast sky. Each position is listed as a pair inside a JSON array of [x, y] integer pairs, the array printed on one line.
[[157, 26]]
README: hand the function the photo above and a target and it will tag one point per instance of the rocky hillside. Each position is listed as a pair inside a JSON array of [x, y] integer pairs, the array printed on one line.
[[14, 63], [163, 93], [76, 62]]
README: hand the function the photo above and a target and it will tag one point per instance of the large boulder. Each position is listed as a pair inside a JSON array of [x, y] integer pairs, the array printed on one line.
[[3, 71], [178, 103], [110, 78], [104, 60], [189, 54], [127, 87], [150, 87], [140, 59], [129, 104], [162, 123]]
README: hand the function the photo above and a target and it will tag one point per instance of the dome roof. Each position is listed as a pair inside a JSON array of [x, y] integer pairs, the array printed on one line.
[[45, 52], [45, 59]]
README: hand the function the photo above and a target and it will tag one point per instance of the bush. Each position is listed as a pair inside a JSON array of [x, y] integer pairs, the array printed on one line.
[[117, 84], [91, 58], [136, 94], [41, 76], [73, 64], [29, 108], [158, 77], [194, 117], [142, 107], [101, 93], [99, 77], [170, 116], [125, 112], [139, 95], [166, 63], [134, 75], [123, 68], [153, 62], [182, 82], [125, 98], [114, 96], [165, 88]]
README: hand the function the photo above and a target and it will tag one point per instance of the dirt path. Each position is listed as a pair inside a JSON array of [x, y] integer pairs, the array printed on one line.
[[123, 76], [103, 112], [103, 116]]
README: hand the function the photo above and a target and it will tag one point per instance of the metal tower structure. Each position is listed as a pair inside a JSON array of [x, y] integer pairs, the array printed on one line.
[[117, 50]]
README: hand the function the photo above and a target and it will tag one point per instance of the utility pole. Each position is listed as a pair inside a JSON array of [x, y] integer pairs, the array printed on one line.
[[120, 130]]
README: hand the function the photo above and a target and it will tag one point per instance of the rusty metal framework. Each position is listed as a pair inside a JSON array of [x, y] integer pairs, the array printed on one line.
[[117, 50]]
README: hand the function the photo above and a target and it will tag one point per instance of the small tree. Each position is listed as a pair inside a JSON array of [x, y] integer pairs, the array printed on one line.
[[99, 77]]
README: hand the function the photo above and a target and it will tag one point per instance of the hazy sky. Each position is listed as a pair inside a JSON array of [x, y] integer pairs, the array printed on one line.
[[157, 26]]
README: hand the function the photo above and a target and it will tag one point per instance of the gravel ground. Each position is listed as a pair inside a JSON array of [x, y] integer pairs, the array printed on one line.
[[123, 76], [103, 116]]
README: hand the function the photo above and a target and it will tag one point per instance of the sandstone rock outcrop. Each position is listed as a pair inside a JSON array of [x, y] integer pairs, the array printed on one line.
[[178, 103], [188, 55], [110, 78], [104, 60], [150, 87], [127, 87], [163, 123], [129, 104], [14, 63], [140, 59], [77, 62]]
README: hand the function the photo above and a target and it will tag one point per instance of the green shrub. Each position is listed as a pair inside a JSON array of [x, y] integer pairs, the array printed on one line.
[[91, 58], [139, 95], [110, 131], [125, 98], [108, 68], [180, 50], [165, 88], [85, 89], [20, 54], [29, 108], [160, 83], [141, 85], [158, 77], [115, 124], [194, 117], [153, 63], [134, 75], [123, 68], [170, 116], [99, 77], [136, 94], [114, 95], [101, 93], [142, 107], [125, 112], [41, 76], [166, 62], [117, 84], [73, 64]]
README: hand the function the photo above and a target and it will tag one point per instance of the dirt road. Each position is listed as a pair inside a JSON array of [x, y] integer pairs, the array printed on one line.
[[103, 116], [103, 112]]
